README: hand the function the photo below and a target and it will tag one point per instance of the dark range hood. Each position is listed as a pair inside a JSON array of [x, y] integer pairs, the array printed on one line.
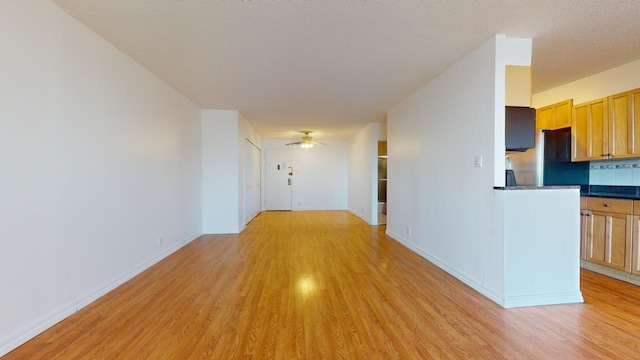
[[520, 128]]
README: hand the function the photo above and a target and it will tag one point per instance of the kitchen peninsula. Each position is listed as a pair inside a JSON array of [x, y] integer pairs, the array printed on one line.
[[541, 244]]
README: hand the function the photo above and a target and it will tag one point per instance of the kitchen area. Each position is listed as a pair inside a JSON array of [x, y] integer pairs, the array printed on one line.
[[594, 144]]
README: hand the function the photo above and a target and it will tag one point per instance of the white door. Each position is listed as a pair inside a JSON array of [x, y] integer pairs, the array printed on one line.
[[279, 178], [251, 181]]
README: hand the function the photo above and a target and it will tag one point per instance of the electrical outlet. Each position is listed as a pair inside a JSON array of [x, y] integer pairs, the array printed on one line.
[[160, 241], [409, 230]]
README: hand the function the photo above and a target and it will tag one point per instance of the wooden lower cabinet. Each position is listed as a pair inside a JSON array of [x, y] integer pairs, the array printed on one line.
[[609, 228], [584, 227], [635, 243], [610, 240]]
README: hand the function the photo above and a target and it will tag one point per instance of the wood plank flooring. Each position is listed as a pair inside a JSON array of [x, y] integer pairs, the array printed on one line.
[[324, 285]]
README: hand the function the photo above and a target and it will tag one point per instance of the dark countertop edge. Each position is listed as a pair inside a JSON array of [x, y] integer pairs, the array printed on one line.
[[533, 187], [611, 196], [611, 191]]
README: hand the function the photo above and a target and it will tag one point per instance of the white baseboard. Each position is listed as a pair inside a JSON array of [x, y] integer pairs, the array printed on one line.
[[361, 216], [543, 299], [504, 301], [35, 328], [213, 231]]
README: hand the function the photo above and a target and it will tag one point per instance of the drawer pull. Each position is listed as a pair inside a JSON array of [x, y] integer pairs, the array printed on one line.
[[606, 205]]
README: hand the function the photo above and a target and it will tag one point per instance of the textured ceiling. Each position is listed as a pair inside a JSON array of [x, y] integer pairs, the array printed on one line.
[[334, 66]]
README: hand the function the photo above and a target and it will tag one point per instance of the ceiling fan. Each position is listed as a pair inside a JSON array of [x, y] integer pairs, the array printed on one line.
[[306, 141]]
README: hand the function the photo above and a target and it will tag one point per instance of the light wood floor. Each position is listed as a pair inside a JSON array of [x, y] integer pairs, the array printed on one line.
[[324, 285]]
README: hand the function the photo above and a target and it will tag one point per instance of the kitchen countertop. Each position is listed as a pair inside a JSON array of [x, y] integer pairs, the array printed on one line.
[[534, 187], [608, 191]]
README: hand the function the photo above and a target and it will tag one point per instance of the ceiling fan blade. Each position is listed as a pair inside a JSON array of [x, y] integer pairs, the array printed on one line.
[[318, 143], [294, 143]]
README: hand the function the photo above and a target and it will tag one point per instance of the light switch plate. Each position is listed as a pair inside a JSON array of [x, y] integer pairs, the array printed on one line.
[[478, 161]]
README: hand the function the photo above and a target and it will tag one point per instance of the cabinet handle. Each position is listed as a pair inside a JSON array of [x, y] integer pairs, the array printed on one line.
[[606, 205]]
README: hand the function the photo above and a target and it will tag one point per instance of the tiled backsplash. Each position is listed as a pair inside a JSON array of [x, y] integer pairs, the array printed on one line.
[[615, 172]]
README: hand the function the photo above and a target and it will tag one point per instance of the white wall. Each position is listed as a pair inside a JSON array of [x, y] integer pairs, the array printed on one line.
[[320, 175], [613, 81], [439, 203], [363, 173], [224, 133], [542, 246], [220, 172], [100, 160]]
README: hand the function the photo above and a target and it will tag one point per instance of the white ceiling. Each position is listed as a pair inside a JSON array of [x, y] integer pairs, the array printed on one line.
[[334, 66]]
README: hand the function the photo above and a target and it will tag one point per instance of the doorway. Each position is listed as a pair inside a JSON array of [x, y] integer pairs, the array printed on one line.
[[382, 182], [279, 178]]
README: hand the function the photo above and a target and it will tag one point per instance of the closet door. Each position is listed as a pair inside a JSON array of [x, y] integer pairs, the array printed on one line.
[[252, 183]]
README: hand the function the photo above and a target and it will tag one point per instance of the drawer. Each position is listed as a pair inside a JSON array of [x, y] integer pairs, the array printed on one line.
[[636, 207], [623, 206]]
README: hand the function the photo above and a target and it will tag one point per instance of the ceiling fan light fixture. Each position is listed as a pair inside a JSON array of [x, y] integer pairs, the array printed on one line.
[[306, 142]]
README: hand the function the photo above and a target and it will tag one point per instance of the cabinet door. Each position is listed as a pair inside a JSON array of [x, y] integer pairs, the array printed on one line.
[[585, 231], [544, 118], [562, 114], [590, 131], [599, 129], [610, 241], [580, 147], [624, 125], [620, 127], [596, 238], [635, 247]]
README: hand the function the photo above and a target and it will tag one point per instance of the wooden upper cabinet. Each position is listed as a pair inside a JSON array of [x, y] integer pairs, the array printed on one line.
[[544, 118], [624, 125], [590, 131], [580, 148], [518, 86], [562, 113], [554, 116], [606, 128]]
